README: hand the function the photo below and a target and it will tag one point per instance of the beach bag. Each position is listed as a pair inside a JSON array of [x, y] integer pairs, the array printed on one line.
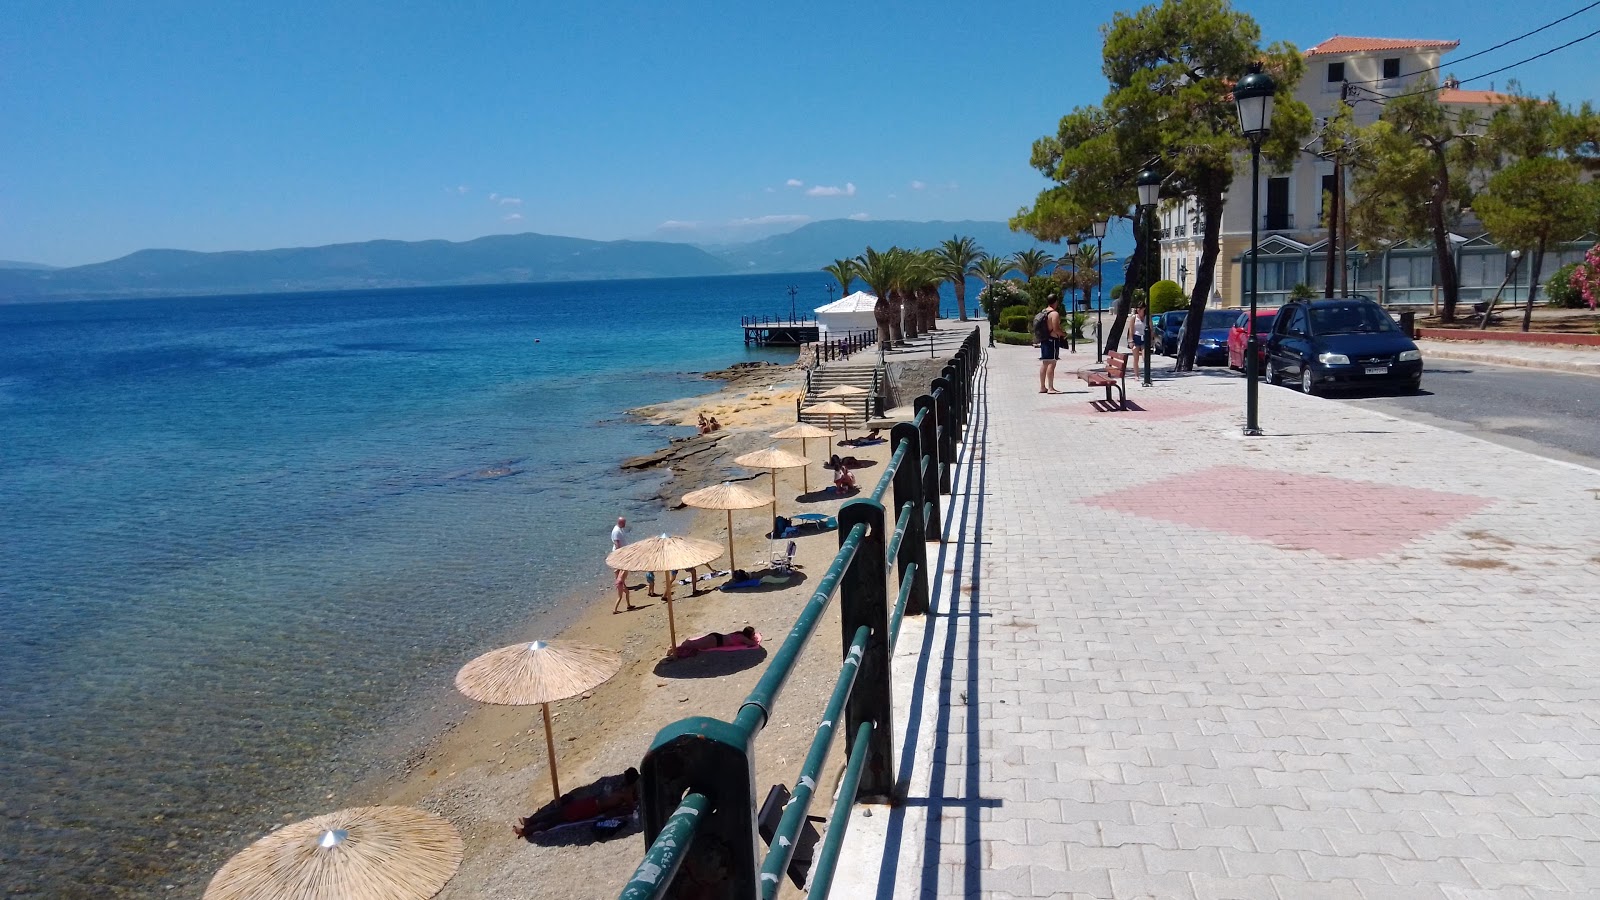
[[1041, 327]]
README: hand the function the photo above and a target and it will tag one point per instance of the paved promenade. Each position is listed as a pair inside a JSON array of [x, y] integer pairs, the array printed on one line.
[[1355, 658]]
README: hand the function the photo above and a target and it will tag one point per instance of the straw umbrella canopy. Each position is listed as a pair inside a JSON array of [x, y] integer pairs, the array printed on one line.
[[804, 431], [830, 409], [539, 672], [364, 853], [663, 554], [772, 459], [843, 390], [725, 496]]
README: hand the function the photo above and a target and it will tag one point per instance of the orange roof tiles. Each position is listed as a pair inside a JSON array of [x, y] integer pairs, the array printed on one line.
[[1343, 44], [1457, 95]]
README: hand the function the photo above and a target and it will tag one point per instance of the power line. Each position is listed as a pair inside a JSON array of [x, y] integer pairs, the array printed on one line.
[[1439, 87], [1507, 43]]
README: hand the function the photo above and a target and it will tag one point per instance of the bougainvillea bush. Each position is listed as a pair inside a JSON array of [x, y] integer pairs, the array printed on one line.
[[1586, 277]]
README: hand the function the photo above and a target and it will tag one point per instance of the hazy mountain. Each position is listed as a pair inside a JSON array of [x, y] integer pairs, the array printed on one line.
[[498, 259], [812, 246], [16, 264]]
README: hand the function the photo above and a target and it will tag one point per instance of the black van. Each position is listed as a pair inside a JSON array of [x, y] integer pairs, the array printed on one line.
[[1340, 343]]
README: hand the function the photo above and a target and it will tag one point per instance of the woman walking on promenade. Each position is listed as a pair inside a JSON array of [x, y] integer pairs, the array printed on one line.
[[1136, 338]]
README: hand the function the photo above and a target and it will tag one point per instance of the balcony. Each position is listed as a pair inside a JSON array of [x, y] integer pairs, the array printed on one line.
[[1279, 221]]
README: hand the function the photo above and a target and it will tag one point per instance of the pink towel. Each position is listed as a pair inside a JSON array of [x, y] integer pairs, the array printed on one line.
[[740, 646]]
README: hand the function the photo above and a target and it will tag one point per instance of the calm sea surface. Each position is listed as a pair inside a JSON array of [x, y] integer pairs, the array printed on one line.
[[239, 533]]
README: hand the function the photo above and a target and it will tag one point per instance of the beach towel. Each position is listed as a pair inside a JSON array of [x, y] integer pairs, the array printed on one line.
[[727, 647], [747, 583]]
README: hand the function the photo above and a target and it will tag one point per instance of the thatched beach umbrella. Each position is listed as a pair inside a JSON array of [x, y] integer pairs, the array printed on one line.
[[539, 672], [725, 496], [365, 853], [830, 409], [843, 390], [804, 431], [663, 554], [772, 459]]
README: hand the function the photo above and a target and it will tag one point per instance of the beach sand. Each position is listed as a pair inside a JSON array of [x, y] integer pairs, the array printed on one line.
[[488, 770]]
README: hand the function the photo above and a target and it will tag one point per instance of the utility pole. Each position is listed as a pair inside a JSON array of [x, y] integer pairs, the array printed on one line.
[[1336, 200]]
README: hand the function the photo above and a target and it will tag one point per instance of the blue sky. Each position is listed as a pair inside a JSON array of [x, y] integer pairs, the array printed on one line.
[[230, 125]]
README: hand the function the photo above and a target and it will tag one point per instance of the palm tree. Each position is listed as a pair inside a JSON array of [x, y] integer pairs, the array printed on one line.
[[881, 272], [958, 256], [926, 274], [1082, 270], [1030, 262], [846, 271], [993, 268]]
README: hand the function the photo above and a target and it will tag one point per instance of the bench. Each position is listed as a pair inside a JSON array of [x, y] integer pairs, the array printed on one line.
[[1113, 377]]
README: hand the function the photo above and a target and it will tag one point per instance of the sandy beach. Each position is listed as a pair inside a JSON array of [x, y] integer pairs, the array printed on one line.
[[488, 769]]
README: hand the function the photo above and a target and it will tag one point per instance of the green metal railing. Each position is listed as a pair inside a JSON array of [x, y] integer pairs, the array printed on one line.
[[698, 791]]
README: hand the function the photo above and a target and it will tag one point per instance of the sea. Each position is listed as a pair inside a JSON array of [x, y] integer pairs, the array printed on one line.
[[242, 535]]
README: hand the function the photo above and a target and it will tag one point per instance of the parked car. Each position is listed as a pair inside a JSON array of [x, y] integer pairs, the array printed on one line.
[[1214, 327], [1239, 338], [1349, 342], [1165, 341]]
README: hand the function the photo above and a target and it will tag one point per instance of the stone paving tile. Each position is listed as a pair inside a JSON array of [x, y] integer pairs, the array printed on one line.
[[1146, 678]]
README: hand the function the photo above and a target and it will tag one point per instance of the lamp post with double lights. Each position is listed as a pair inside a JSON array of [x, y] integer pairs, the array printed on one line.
[[1099, 231], [1072, 256], [1149, 191], [1253, 96]]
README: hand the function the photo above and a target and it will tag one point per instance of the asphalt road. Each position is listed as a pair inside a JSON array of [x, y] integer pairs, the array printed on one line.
[[1553, 414]]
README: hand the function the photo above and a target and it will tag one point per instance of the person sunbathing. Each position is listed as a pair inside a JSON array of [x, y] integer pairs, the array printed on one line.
[[611, 795], [745, 639], [843, 481], [705, 427]]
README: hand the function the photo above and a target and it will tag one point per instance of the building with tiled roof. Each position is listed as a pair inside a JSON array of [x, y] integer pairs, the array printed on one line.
[[1343, 45]]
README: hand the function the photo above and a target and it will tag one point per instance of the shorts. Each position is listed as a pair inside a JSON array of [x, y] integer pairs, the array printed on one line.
[[1049, 350], [1138, 340]]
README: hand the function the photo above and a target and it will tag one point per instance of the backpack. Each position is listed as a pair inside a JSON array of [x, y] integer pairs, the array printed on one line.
[[1041, 325]]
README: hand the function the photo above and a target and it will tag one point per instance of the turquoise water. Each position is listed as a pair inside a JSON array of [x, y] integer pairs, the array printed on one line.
[[239, 532]]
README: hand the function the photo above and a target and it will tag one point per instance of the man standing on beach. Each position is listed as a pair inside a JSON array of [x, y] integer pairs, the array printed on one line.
[[619, 533], [1047, 331]]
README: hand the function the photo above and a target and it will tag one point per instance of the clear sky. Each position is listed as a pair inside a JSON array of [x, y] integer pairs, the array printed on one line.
[[244, 125]]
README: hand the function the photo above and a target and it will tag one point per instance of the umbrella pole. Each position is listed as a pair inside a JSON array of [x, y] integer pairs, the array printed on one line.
[[550, 749], [805, 474], [731, 566], [774, 528], [672, 630]]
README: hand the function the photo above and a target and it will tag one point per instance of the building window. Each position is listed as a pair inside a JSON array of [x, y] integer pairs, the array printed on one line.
[[1277, 217], [1335, 72], [1391, 67]]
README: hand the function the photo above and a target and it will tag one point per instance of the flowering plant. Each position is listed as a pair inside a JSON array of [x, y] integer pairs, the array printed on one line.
[[1586, 277]]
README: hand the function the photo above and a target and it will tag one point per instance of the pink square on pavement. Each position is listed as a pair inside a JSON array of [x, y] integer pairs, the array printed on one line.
[[1334, 516], [1140, 409]]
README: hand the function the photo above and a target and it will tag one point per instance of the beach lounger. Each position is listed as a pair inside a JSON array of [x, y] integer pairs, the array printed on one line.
[[783, 562]]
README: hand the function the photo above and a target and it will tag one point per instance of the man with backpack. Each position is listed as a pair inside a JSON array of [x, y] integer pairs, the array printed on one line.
[[1047, 334]]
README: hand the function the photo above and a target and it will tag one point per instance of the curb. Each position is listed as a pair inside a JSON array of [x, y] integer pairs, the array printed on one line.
[[1582, 368]]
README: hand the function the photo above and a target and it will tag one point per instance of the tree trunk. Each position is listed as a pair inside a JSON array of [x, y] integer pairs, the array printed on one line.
[[960, 284], [884, 316], [1335, 200], [932, 321], [1533, 285], [1119, 322], [1449, 278], [897, 330], [1204, 277]]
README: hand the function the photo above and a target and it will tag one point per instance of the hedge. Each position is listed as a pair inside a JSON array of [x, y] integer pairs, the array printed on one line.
[[1020, 323], [1013, 337]]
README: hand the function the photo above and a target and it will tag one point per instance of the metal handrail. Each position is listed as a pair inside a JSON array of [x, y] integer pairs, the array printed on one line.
[[787, 833], [715, 845]]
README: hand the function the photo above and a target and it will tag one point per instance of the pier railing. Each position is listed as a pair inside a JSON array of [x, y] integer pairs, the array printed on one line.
[[777, 321], [698, 789]]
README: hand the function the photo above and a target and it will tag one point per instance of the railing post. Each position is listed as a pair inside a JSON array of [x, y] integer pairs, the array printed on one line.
[[714, 758], [958, 400], [908, 489], [928, 463], [864, 600], [946, 432]]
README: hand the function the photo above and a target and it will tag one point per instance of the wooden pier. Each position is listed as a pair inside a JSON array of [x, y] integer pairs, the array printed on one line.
[[778, 331]]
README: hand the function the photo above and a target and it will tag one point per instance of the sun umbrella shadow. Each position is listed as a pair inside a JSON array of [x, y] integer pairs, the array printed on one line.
[[796, 577], [711, 665], [822, 495]]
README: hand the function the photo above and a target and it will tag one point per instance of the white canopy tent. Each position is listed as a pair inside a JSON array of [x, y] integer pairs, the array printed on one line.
[[847, 315]]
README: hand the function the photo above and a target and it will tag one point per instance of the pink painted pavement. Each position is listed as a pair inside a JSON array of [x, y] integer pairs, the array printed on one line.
[[1333, 516], [1140, 409]]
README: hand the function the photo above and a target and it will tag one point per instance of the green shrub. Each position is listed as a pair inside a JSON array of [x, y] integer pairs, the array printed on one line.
[[1016, 322], [1165, 295], [1559, 292], [1116, 292], [996, 297], [1013, 337], [1040, 289], [1301, 291]]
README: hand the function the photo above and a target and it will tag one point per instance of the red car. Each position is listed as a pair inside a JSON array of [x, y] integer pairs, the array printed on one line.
[[1238, 338]]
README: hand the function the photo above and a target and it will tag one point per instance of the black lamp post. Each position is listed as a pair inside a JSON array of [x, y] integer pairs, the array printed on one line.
[[1072, 257], [830, 291], [1149, 191], [1253, 96], [1099, 231]]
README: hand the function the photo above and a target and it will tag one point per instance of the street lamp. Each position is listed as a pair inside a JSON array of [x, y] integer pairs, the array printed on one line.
[[1253, 96], [1098, 228], [830, 291], [1149, 190], [1072, 257]]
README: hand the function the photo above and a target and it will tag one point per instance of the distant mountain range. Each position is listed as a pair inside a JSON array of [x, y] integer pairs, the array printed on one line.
[[498, 259]]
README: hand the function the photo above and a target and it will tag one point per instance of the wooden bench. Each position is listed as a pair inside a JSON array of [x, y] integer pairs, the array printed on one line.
[[1115, 376]]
